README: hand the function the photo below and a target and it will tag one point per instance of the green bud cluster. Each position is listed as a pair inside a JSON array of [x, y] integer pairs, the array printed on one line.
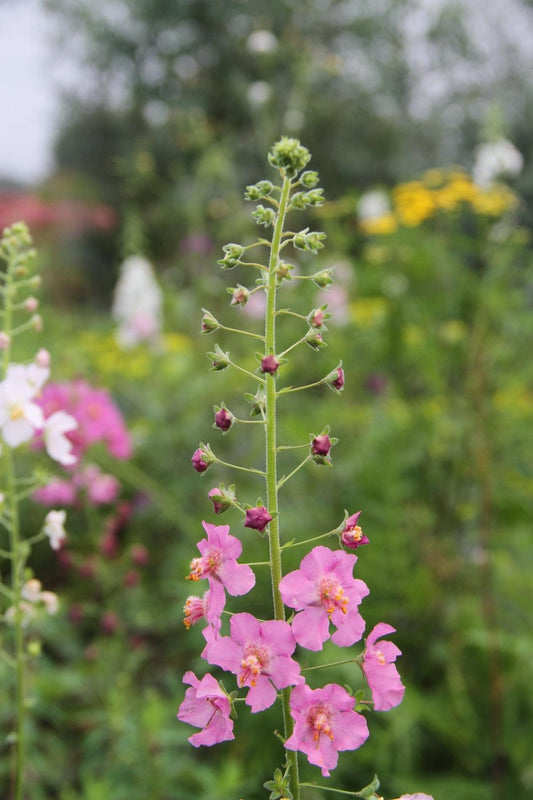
[[257, 191], [264, 216], [289, 156], [311, 241], [232, 255], [301, 200]]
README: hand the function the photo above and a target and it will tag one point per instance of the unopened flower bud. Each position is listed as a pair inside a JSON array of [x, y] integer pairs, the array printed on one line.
[[257, 518], [5, 340], [202, 458], [223, 418], [269, 364], [35, 282], [31, 304], [289, 156], [311, 241], [37, 322], [283, 272], [222, 498], [264, 216], [321, 445], [239, 295], [323, 279], [317, 317], [219, 359], [335, 379], [21, 271], [259, 190], [315, 340], [309, 179], [42, 359], [232, 255], [209, 323], [352, 536], [257, 401]]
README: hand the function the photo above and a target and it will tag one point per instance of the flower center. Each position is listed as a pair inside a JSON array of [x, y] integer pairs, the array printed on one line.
[[319, 720], [380, 657], [16, 412], [209, 564], [255, 661], [331, 595], [194, 609]]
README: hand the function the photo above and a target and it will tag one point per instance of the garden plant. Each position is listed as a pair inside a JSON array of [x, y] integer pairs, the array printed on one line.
[[323, 594]]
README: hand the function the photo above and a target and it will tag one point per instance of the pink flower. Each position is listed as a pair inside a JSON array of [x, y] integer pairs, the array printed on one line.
[[99, 420], [61, 493], [324, 590], [417, 796], [257, 518], [206, 706], [325, 723], [259, 653], [218, 563], [379, 670], [352, 536], [101, 488], [208, 607]]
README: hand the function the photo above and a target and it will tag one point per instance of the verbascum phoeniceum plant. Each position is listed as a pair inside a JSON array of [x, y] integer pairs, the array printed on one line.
[[24, 426], [321, 599]]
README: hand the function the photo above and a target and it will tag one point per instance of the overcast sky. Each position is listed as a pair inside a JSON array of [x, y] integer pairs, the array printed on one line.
[[27, 104]]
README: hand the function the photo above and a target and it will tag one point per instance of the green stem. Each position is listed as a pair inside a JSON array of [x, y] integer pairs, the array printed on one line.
[[295, 470], [271, 466], [243, 469], [16, 572], [246, 372], [332, 789], [307, 541], [244, 333]]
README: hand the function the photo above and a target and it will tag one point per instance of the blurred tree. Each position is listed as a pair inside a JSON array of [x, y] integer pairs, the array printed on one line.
[[175, 103]]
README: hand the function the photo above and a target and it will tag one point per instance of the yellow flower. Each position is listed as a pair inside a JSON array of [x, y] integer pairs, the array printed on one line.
[[379, 225]]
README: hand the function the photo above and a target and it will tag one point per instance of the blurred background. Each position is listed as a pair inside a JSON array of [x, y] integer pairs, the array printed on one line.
[[130, 129]]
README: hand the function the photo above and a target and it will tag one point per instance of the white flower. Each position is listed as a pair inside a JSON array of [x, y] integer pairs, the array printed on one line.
[[373, 205], [54, 528], [20, 417], [258, 93], [57, 445], [137, 305], [495, 160], [261, 42], [31, 590]]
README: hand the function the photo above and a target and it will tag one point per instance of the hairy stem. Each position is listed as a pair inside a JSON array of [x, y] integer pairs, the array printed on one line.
[[271, 465]]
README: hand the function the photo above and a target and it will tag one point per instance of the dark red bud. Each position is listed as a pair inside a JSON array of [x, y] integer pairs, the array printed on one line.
[[321, 445], [198, 461], [223, 419], [257, 518], [269, 364]]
